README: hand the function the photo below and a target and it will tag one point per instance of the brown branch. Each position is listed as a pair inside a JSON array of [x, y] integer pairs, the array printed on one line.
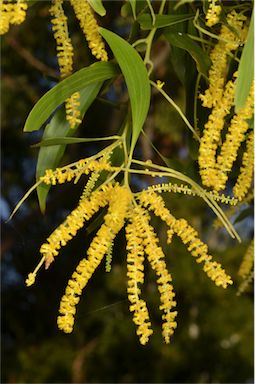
[[30, 59]]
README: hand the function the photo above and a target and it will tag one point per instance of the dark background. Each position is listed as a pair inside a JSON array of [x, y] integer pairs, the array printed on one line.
[[213, 340]]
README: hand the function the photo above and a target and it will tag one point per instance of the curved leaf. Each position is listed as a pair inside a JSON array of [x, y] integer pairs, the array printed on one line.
[[182, 40], [71, 140], [98, 7], [245, 69], [161, 21], [133, 6], [57, 95], [136, 77], [49, 157]]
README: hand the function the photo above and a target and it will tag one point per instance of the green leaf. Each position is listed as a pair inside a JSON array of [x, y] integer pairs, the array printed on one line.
[[98, 7], [245, 69], [182, 40], [71, 140], [136, 77], [133, 6], [57, 95], [49, 157], [162, 20], [182, 2], [244, 214]]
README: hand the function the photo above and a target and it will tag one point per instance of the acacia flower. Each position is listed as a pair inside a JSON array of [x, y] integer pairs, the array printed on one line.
[[189, 237], [135, 274], [245, 176], [247, 262], [65, 58], [212, 15], [113, 222], [74, 221], [228, 42], [212, 136], [11, 13], [234, 137], [89, 26]]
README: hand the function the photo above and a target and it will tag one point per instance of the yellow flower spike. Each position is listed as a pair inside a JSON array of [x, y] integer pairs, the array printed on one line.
[[72, 111], [74, 171], [6, 12], [64, 44], [246, 283], [212, 136], [89, 26], [228, 42], [31, 276], [113, 222], [213, 13], [19, 12], [244, 179], [65, 58], [248, 262], [30, 279], [186, 190], [156, 258], [234, 137], [189, 237], [135, 274], [74, 221], [11, 13]]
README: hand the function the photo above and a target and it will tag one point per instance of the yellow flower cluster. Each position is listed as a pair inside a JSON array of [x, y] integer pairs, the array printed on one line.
[[113, 222], [246, 270], [228, 41], [247, 262], [74, 221], [73, 113], [234, 137], [216, 165], [65, 58], [11, 13], [156, 259], [141, 241], [61, 35], [212, 15], [74, 171], [212, 136], [244, 179], [186, 190], [89, 26], [189, 237], [135, 274]]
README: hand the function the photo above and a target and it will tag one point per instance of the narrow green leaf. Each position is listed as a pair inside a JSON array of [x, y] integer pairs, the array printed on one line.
[[162, 20], [182, 2], [136, 77], [181, 40], [49, 157], [71, 140], [133, 6], [42, 110], [245, 69], [244, 214], [98, 7]]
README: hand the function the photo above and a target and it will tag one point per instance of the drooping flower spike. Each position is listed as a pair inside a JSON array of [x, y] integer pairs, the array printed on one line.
[[216, 159]]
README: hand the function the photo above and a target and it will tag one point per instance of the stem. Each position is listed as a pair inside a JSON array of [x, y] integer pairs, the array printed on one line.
[[195, 104], [23, 199], [178, 109]]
